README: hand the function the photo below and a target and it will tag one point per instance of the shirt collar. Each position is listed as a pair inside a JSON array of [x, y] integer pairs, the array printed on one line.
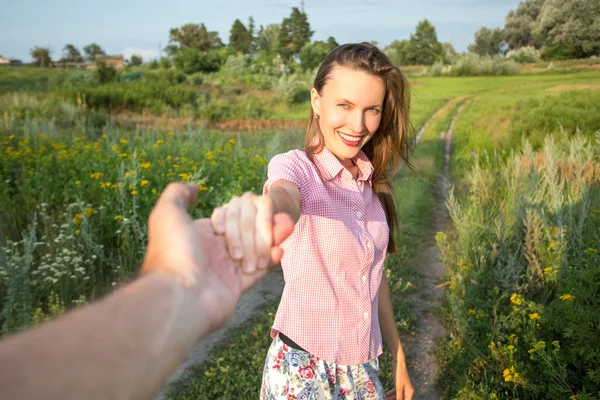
[[329, 166]]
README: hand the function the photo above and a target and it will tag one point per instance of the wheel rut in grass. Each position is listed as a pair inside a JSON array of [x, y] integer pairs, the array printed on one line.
[[420, 349], [270, 288]]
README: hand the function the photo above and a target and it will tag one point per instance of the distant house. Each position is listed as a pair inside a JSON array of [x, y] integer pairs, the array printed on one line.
[[117, 61], [4, 61]]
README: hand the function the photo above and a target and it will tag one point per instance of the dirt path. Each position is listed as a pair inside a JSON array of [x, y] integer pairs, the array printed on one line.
[[422, 364]]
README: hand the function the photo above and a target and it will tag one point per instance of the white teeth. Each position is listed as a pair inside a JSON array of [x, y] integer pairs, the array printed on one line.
[[349, 138]]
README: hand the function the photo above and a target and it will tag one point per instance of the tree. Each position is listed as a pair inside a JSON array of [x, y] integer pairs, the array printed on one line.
[[332, 43], [313, 54], [71, 54], [251, 29], [267, 40], [569, 26], [41, 56], [240, 38], [519, 25], [294, 34], [400, 52], [425, 48], [488, 42], [449, 53], [135, 60], [92, 51], [193, 36]]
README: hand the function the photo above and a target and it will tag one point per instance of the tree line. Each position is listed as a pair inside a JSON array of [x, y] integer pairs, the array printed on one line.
[[559, 29]]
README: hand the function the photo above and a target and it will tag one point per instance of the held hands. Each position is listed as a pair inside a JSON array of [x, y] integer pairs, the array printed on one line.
[[189, 251], [247, 223]]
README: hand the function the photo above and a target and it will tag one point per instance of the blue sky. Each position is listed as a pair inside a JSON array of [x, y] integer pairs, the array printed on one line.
[[126, 27]]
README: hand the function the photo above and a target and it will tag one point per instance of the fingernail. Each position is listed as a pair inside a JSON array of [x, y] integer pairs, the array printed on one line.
[[263, 262], [236, 253], [249, 266]]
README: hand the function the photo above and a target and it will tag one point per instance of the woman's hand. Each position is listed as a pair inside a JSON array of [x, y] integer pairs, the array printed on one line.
[[247, 223], [403, 389]]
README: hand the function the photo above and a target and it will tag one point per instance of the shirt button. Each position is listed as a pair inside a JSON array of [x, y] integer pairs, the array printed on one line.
[[364, 278], [366, 315], [358, 215]]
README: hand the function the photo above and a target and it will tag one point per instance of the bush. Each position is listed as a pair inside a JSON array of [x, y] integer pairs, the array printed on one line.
[[475, 65], [558, 52], [437, 68], [526, 54], [284, 89], [106, 73], [193, 60], [135, 96]]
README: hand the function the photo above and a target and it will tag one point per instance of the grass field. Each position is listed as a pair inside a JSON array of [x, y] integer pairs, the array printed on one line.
[[523, 307]]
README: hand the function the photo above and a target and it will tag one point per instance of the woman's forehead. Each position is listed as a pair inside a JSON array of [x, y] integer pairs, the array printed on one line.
[[355, 85]]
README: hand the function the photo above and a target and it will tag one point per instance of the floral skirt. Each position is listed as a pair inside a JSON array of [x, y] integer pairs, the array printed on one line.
[[295, 374]]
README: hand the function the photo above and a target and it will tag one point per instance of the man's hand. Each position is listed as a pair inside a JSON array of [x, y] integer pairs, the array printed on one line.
[[190, 252]]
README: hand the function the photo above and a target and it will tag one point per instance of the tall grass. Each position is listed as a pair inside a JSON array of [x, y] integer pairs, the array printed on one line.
[[522, 261]]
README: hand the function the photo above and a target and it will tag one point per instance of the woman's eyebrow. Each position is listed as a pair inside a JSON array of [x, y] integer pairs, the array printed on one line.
[[351, 103]]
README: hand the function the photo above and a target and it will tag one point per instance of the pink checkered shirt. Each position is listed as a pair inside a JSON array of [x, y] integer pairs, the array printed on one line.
[[333, 261]]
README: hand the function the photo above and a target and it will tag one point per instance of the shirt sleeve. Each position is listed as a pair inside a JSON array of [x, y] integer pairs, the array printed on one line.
[[289, 167]]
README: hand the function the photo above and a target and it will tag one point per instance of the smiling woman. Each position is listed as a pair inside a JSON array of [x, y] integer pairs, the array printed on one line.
[[336, 303]]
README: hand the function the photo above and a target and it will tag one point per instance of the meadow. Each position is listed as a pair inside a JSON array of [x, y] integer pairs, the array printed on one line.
[[522, 304]]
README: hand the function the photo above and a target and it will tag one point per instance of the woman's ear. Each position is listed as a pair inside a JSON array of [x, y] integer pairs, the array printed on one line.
[[315, 101]]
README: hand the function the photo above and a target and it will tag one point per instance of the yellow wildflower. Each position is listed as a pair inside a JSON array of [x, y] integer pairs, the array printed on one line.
[[510, 375], [547, 270], [185, 176], [77, 182], [77, 218], [567, 297], [210, 155], [118, 217], [144, 182], [134, 193], [160, 141], [124, 141], [169, 157], [534, 316], [472, 312], [232, 141], [77, 231], [90, 211], [97, 175], [516, 299], [202, 188], [123, 155], [145, 165]]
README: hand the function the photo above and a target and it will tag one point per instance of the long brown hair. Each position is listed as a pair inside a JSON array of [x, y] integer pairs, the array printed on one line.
[[390, 143]]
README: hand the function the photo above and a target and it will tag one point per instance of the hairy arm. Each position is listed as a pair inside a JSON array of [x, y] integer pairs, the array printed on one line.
[[122, 347]]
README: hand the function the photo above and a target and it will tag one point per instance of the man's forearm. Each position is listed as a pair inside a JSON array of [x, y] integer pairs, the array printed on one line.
[[122, 347]]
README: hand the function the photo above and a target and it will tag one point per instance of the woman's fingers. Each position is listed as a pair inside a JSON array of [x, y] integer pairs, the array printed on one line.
[[263, 230], [232, 229], [217, 220], [247, 222]]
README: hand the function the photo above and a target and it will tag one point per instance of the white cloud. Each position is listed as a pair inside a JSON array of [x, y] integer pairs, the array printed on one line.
[[147, 54]]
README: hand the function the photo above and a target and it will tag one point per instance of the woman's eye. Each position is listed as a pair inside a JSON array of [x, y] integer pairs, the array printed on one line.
[[343, 105], [374, 110]]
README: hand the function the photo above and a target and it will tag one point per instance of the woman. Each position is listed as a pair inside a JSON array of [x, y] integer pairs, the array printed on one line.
[[336, 304]]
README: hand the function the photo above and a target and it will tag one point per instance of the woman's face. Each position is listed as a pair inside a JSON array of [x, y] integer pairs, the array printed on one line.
[[349, 110]]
